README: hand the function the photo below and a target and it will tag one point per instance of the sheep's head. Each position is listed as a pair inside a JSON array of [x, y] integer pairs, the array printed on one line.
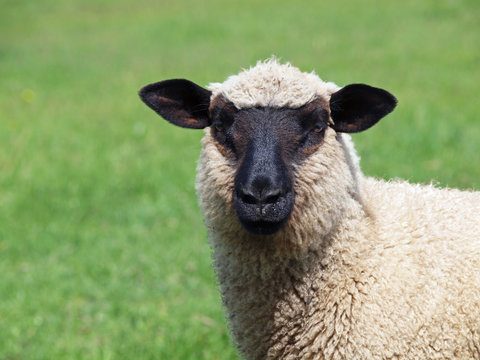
[[266, 122]]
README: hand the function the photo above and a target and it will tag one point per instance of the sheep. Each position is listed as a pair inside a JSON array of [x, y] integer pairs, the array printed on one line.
[[315, 260]]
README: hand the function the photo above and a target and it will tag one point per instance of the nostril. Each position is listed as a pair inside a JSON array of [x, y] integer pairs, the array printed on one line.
[[246, 196], [271, 196]]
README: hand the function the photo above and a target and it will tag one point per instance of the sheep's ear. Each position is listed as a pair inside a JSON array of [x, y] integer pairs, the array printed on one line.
[[357, 107], [181, 102]]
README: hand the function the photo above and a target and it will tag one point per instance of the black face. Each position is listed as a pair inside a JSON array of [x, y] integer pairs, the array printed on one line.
[[266, 143]]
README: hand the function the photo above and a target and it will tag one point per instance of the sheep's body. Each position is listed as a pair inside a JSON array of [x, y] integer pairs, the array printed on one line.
[[395, 274], [362, 269]]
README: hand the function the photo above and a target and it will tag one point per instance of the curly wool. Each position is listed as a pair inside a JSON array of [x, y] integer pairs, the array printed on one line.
[[270, 83], [363, 269]]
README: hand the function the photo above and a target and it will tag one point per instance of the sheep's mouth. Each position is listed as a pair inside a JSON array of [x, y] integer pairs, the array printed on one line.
[[262, 227]]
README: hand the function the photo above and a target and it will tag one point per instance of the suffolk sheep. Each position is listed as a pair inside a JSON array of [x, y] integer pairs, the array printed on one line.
[[315, 260]]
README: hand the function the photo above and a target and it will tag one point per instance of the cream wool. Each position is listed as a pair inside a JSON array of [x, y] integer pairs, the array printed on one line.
[[362, 269], [271, 84]]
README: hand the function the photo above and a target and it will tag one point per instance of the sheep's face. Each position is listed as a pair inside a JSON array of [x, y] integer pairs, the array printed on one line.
[[265, 143]]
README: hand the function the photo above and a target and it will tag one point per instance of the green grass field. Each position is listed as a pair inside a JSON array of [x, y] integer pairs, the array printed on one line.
[[103, 254]]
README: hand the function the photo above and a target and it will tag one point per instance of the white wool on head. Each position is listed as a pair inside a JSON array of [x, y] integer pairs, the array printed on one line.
[[270, 83]]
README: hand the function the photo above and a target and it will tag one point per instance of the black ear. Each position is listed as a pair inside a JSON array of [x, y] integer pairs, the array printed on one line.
[[357, 107], [181, 102]]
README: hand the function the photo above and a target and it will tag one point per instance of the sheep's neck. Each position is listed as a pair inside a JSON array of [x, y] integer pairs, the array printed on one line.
[[269, 294]]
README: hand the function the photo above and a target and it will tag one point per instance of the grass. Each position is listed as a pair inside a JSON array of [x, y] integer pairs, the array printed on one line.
[[103, 254]]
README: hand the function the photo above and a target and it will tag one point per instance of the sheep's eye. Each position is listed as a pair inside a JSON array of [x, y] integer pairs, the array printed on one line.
[[315, 121], [223, 122], [223, 116], [319, 128], [219, 126]]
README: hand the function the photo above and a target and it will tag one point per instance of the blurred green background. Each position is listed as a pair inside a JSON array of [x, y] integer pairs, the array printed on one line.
[[103, 254]]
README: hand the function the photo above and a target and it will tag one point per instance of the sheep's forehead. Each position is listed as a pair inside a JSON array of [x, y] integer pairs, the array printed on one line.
[[272, 84]]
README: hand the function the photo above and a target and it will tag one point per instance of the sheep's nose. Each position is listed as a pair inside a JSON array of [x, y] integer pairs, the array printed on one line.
[[263, 197], [259, 195]]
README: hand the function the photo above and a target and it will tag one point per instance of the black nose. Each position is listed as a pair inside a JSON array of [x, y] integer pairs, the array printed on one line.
[[263, 196], [260, 195], [260, 190], [263, 205]]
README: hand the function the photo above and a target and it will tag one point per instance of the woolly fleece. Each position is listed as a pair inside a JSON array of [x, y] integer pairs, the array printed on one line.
[[363, 269], [272, 84]]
